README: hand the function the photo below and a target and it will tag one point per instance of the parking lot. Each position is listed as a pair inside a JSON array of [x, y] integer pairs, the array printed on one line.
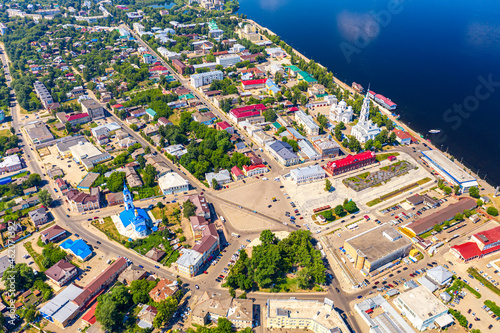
[[73, 172]]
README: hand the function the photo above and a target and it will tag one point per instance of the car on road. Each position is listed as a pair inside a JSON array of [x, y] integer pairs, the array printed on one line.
[[248, 240], [141, 266], [337, 289], [98, 242], [89, 219], [359, 296], [156, 266], [197, 286], [96, 217], [77, 235]]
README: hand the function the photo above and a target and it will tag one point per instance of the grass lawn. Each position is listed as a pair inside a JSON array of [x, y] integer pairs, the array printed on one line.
[[22, 174], [175, 118], [5, 132], [109, 229], [423, 181], [37, 258], [167, 210], [148, 192], [493, 307], [458, 285], [382, 157]]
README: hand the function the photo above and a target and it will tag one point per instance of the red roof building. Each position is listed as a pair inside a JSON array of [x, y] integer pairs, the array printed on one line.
[[224, 126], [403, 137], [89, 316], [78, 118], [480, 245], [249, 111], [237, 173], [254, 170], [117, 106], [350, 162], [254, 84]]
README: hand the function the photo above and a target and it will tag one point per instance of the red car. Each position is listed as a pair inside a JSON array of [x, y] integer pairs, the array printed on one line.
[[390, 285], [96, 217], [376, 282], [205, 272]]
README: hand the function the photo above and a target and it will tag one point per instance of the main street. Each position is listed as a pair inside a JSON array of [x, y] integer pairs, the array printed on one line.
[[79, 225]]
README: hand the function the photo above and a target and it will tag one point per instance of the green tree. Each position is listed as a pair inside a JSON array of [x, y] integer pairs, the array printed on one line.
[[115, 181], [68, 127], [165, 311], [267, 237], [447, 190], [19, 277], [339, 210], [160, 205], [45, 198], [351, 207], [492, 211], [328, 185], [479, 202], [459, 217], [140, 290], [474, 192], [189, 209], [456, 188], [215, 184], [270, 115], [437, 228]]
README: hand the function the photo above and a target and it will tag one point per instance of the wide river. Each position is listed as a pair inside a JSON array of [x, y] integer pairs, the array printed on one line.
[[439, 60]]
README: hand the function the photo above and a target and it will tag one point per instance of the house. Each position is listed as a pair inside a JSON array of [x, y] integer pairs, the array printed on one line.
[[224, 126], [151, 113], [38, 216], [61, 272], [163, 289], [10, 163], [30, 190], [82, 202], [132, 273], [155, 254], [282, 152], [114, 199], [179, 66], [206, 118], [78, 248], [246, 112], [202, 208], [307, 174], [172, 182], [254, 170], [61, 183], [237, 173], [254, 84], [238, 311], [404, 138], [222, 177], [52, 234], [146, 316], [164, 121]]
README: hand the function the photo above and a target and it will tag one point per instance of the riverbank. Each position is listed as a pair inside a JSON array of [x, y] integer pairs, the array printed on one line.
[[483, 183]]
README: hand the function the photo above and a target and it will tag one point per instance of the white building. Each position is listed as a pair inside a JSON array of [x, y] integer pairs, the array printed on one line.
[[188, 263], [340, 112], [307, 121], [228, 60], [138, 28], [170, 55], [276, 52], [172, 182], [222, 177], [202, 79], [365, 129], [422, 308], [308, 174]]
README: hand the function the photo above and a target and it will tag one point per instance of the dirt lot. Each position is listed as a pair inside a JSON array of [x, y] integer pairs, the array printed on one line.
[[73, 174], [244, 221]]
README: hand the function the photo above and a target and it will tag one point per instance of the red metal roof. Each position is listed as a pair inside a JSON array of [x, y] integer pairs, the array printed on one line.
[[385, 100], [467, 250], [488, 236], [76, 116], [253, 167], [402, 135], [252, 82], [223, 125], [158, 68], [89, 317], [236, 171], [117, 106], [350, 159], [260, 107], [293, 109]]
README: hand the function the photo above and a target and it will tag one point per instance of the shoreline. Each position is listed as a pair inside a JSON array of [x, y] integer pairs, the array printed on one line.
[[385, 111]]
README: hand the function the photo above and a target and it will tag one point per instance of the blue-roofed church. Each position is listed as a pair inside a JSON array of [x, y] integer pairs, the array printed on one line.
[[132, 222]]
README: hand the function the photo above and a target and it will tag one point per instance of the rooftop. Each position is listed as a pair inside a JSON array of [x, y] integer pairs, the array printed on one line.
[[448, 166], [188, 257], [378, 242], [350, 159], [423, 303]]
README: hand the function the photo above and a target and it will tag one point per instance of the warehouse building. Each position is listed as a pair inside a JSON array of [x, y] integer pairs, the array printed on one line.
[[377, 247], [480, 244], [451, 172]]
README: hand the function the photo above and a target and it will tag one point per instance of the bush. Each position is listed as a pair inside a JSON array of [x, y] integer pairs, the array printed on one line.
[[492, 211]]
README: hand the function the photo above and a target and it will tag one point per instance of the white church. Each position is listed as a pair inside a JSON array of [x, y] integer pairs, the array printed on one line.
[[340, 112], [365, 129]]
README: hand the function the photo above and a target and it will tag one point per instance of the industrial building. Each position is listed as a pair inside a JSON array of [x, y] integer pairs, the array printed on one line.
[[38, 132], [377, 247], [425, 224], [423, 309], [94, 109], [451, 172]]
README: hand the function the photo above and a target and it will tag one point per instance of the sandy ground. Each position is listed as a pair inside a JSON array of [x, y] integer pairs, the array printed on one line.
[[73, 174], [241, 220]]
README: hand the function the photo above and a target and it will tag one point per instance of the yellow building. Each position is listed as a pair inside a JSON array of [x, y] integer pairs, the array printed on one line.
[[377, 247]]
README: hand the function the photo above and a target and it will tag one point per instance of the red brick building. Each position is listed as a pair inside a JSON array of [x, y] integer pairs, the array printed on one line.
[[179, 66]]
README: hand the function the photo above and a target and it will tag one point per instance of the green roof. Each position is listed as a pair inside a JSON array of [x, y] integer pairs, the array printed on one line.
[[293, 68], [309, 79], [321, 95], [187, 96], [277, 125], [151, 112]]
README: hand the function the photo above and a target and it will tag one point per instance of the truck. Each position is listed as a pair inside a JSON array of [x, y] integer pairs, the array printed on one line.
[[235, 235], [222, 219]]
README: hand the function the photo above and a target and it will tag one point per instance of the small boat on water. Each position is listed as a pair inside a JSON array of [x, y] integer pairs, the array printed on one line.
[[435, 131]]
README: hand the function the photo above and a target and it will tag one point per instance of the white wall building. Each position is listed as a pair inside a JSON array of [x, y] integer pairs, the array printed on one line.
[[421, 308], [189, 262], [308, 174], [172, 182], [228, 60], [340, 112], [202, 79], [307, 121], [365, 129]]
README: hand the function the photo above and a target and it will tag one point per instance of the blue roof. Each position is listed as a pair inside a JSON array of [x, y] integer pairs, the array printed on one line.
[[138, 221], [151, 112], [78, 247]]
